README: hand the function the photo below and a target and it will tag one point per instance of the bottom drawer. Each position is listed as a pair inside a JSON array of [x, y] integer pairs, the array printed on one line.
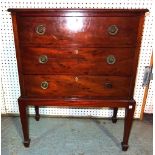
[[76, 86]]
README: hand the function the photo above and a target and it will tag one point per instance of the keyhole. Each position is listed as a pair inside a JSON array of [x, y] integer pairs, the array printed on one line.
[[76, 79]]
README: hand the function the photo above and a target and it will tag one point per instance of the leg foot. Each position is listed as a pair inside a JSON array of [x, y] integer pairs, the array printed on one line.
[[37, 116], [114, 120], [114, 117], [26, 143], [124, 147]]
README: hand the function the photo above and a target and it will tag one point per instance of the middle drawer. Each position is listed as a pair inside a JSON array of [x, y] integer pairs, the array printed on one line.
[[91, 61]]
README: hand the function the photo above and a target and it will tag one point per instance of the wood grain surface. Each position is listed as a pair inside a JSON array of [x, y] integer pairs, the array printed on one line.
[[78, 31], [78, 61], [77, 86]]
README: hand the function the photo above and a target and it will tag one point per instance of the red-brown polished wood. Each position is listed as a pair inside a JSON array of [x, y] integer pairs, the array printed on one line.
[[77, 58], [81, 61], [77, 86], [78, 31]]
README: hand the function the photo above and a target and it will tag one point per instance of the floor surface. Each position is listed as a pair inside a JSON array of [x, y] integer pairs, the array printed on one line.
[[75, 136]]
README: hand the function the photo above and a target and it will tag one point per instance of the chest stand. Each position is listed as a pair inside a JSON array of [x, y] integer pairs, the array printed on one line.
[[129, 113]]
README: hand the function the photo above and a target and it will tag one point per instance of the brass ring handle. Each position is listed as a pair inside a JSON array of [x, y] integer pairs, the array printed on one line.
[[113, 30], [108, 85], [40, 29], [44, 85], [43, 59], [111, 59]]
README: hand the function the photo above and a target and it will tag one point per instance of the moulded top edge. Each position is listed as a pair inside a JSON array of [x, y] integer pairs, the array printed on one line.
[[24, 10]]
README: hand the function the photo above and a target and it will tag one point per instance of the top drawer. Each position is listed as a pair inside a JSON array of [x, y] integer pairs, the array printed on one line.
[[78, 31]]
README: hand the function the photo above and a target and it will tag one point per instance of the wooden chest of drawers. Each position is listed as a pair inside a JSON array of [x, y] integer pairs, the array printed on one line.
[[78, 58]]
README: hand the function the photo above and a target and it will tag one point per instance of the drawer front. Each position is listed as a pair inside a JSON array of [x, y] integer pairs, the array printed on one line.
[[82, 31], [76, 86], [91, 61]]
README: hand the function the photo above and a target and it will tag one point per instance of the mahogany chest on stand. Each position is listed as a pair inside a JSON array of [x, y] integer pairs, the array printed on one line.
[[77, 58]]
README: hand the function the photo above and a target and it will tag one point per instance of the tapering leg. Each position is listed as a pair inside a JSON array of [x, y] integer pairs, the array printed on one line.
[[127, 125], [114, 117], [24, 122], [37, 116]]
